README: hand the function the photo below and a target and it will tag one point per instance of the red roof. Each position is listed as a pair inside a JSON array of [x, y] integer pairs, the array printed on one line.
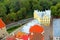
[[36, 28], [2, 24], [10, 38], [25, 37]]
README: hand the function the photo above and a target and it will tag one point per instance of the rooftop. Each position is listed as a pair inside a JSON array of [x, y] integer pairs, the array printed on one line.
[[2, 24]]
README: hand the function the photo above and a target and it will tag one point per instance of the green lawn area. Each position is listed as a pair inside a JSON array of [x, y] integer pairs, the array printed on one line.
[[13, 28]]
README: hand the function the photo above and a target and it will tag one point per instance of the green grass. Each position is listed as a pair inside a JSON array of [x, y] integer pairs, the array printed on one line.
[[13, 28]]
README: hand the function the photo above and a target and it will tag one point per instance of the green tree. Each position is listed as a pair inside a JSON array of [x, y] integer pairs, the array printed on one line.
[[35, 4], [54, 2], [19, 15], [12, 16], [7, 4], [2, 11], [23, 10], [45, 4], [56, 10], [14, 6], [24, 4]]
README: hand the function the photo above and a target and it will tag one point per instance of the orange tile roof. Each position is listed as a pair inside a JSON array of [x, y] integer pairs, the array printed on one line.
[[19, 34], [25, 37], [2, 24], [36, 28]]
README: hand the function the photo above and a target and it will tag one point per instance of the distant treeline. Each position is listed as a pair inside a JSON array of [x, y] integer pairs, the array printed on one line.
[[14, 10]]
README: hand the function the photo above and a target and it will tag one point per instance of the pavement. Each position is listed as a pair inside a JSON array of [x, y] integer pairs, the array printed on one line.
[[18, 23], [48, 32]]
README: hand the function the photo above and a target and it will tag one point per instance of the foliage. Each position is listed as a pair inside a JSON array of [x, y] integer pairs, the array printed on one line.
[[14, 10], [56, 10], [13, 28]]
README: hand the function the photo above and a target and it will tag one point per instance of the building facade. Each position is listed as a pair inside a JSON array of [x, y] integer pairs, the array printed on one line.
[[3, 31], [43, 16]]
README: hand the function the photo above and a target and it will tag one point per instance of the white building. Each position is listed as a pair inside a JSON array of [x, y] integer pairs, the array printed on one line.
[[56, 29], [43, 16]]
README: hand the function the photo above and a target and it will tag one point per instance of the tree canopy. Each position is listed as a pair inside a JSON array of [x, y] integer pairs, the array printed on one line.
[[19, 9]]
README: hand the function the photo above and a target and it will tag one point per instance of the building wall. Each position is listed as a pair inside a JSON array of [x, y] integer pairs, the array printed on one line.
[[37, 17], [3, 32], [45, 20]]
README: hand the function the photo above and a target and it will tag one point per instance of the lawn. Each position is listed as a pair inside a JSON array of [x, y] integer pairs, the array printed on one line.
[[13, 28]]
